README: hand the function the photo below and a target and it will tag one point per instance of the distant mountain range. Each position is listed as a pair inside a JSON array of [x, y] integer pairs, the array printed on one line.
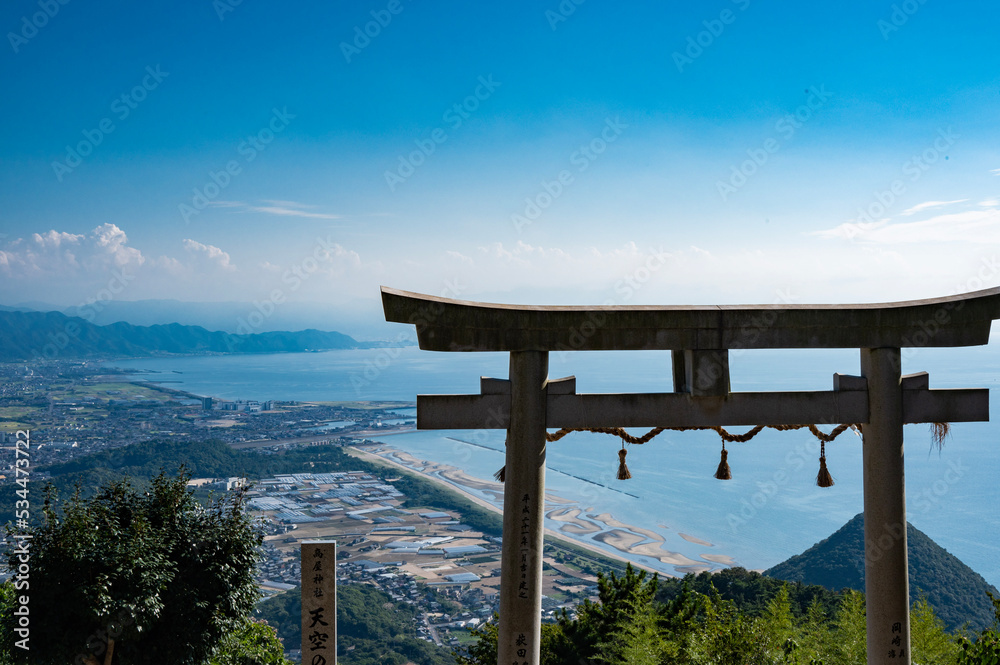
[[361, 318], [32, 335], [956, 592]]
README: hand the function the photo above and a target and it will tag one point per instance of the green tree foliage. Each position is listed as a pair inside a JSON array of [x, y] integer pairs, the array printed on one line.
[[814, 637], [638, 641], [850, 634], [984, 649], [253, 643], [150, 577], [628, 626], [752, 591], [930, 641], [371, 629], [729, 637], [619, 601], [485, 648]]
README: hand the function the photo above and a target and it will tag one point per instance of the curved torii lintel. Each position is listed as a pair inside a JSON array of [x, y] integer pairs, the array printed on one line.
[[445, 324]]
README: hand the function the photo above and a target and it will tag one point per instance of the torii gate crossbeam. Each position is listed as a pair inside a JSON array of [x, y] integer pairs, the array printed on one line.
[[699, 339]]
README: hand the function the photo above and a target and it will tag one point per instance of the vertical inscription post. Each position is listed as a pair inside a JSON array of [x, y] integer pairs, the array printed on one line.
[[887, 593], [519, 638], [319, 602]]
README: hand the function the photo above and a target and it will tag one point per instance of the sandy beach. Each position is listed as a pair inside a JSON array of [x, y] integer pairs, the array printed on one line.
[[383, 457], [696, 541], [582, 527]]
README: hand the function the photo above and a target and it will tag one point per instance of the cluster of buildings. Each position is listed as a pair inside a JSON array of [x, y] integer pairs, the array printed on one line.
[[426, 558], [242, 405]]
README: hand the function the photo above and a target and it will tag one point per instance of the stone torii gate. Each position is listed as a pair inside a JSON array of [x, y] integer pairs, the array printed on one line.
[[699, 339]]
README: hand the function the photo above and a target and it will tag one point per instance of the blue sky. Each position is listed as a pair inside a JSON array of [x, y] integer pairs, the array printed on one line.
[[545, 152]]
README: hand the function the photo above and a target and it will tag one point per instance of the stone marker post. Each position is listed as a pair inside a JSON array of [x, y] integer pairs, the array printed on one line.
[[887, 594], [519, 637], [319, 602]]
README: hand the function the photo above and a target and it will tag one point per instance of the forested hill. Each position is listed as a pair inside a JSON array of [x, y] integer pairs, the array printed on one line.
[[36, 335], [956, 592]]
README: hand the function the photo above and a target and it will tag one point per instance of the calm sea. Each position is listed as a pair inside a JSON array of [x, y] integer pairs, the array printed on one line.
[[771, 509]]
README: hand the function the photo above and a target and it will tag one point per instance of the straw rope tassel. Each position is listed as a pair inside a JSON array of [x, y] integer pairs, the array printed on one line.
[[823, 478], [939, 432], [723, 473], [623, 472]]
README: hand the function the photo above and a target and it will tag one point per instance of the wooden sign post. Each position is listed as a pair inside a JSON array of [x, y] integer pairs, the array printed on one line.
[[880, 400], [319, 602]]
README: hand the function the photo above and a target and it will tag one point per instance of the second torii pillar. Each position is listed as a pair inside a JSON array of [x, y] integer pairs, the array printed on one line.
[[887, 596], [519, 635]]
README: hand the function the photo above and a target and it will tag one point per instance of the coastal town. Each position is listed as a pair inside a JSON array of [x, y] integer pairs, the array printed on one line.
[[76, 408], [426, 558], [421, 556]]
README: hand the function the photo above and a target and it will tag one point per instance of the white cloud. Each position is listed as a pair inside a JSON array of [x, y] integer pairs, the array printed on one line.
[[209, 253], [340, 260], [971, 226], [930, 204], [850, 230], [70, 255], [458, 256], [277, 207]]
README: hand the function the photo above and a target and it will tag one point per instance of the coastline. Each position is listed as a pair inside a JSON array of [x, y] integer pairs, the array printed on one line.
[[598, 533], [479, 501]]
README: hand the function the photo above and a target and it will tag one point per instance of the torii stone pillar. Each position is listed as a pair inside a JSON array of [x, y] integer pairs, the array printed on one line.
[[524, 510], [699, 339], [887, 591]]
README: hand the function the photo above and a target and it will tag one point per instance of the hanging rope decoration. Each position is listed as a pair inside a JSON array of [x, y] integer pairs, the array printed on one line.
[[623, 472], [723, 473], [823, 478], [939, 432]]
